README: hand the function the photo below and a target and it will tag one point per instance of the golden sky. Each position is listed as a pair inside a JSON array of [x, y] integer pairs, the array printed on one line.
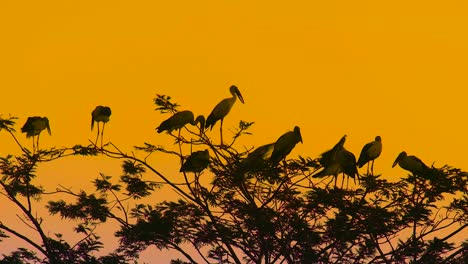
[[397, 69]]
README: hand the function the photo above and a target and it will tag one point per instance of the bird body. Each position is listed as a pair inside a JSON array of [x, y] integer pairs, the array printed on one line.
[[222, 109], [411, 163], [100, 114], [34, 126], [347, 161], [196, 162], [329, 157], [258, 157], [338, 160], [370, 152], [179, 120], [285, 144]]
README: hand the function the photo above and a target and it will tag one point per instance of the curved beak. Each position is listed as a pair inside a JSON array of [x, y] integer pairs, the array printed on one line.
[[396, 162]]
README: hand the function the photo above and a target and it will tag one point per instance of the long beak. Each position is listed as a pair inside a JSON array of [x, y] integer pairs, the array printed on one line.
[[239, 95], [396, 162]]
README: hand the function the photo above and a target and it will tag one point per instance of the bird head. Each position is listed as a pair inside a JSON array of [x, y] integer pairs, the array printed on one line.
[[46, 122], [400, 157], [200, 119], [378, 138], [235, 92], [297, 132]]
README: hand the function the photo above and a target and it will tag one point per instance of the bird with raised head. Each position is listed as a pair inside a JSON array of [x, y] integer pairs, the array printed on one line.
[[369, 153], [285, 144], [222, 109]]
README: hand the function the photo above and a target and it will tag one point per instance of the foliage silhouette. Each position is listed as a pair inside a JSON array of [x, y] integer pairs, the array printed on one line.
[[240, 209]]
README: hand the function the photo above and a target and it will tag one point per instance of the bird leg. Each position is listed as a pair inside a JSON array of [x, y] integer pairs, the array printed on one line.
[[102, 132], [221, 131], [97, 136], [37, 144], [372, 168], [34, 145]]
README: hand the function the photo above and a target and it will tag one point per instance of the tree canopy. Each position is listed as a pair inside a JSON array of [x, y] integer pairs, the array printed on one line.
[[235, 205]]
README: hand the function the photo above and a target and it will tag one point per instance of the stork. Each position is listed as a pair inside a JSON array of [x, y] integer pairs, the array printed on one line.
[[329, 157], [347, 161], [222, 109], [33, 127], [196, 162], [257, 157], [100, 114], [338, 160], [285, 144], [179, 120], [369, 153], [411, 164]]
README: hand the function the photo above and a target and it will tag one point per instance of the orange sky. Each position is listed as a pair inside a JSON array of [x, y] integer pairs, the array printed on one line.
[[361, 68]]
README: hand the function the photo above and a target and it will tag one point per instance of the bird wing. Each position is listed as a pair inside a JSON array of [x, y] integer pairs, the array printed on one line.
[[28, 125], [364, 156], [219, 111]]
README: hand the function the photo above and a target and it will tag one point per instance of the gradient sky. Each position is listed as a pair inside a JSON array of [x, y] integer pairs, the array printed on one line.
[[397, 69]]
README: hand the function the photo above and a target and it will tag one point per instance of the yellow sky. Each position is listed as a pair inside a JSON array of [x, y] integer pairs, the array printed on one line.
[[361, 68]]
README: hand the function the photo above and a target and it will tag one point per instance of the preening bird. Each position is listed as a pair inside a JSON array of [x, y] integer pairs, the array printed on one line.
[[329, 157], [33, 127], [285, 144], [411, 164], [222, 109], [100, 114], [369, 153], [196, 162], [338, 160], [180, 119]]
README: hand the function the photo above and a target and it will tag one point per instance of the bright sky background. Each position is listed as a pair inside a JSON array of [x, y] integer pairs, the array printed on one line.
[[397, 69]]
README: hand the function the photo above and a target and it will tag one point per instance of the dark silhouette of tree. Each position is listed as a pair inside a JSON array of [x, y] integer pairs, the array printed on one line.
[[236, 208]]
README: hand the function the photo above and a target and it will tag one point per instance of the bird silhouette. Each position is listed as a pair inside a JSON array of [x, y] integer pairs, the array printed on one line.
[[33, 128], [369, 153], [222, 109], [347, 161], [285, 144], [338, 160], [196, 162], [258, 158], [411, 163], [100, 114], [180, 119]]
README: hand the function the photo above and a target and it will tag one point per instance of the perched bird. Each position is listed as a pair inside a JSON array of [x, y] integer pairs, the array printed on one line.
[[100, 114], [33, 127], [258, 157], [329, 157], [347, 161], [222, 109], [178, 120], [285, 144], [411, 164], [369, 153], [196, 162], [338, 160]]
